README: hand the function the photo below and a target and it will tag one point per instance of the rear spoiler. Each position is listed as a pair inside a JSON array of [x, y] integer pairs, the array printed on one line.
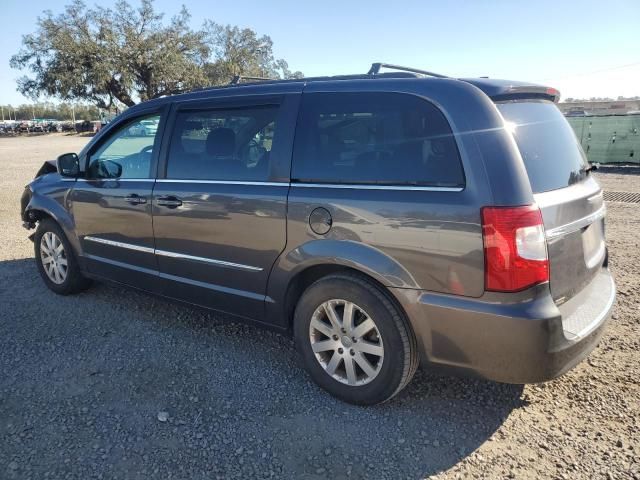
[[500, 90]]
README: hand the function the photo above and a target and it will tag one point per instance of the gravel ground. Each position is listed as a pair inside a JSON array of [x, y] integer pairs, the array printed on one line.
[[116, 384]]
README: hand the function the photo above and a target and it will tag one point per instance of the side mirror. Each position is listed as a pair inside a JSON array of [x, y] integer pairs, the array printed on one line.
[[68, 165], [109, 169]]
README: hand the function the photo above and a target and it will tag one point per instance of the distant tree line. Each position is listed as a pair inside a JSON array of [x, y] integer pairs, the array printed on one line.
[[123, 55], [50, 110]]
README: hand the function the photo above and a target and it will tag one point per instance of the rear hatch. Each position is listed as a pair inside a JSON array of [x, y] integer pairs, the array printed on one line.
[[569, 197]]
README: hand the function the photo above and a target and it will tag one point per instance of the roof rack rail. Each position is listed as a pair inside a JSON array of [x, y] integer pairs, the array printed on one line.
[[239, 78], [375, 70]]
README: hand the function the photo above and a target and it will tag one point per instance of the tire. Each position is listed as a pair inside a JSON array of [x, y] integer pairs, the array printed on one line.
[[72, 281], [386, 371]]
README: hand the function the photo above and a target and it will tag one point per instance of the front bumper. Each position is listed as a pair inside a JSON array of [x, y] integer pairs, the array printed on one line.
[[516, 338]]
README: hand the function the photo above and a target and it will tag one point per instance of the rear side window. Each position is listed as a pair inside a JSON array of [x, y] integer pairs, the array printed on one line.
[[374, 138], [232, 144], [552, 155]]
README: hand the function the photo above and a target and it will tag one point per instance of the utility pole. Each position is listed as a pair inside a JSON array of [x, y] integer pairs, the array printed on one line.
[[73, 113]]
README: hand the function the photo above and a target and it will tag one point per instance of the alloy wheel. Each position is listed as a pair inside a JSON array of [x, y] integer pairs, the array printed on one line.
[[54, 258], [346, 342]]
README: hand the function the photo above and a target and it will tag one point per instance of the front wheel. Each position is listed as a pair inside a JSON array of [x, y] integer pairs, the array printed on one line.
[[353, 339], [56, 262]]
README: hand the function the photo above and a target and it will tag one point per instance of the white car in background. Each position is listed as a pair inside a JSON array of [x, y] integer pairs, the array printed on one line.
[[144, 128]]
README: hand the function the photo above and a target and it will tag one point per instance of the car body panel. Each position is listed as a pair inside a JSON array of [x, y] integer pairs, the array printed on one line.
[[513, 338], [435, 235], [49, 194], [116, 236], [574, 222], [223, 236]]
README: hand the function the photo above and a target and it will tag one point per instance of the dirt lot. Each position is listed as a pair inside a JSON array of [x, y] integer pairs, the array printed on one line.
[[84, 378]]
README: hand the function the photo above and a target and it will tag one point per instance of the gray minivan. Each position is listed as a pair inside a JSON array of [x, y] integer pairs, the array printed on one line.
[[384, 219]]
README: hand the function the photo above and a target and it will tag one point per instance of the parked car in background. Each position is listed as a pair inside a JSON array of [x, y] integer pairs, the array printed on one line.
[[24, 127], [137, 130], [67, 126], [150, 127], [51, 126], [143, 129], [384, 219], [11, 127], [83, 126]]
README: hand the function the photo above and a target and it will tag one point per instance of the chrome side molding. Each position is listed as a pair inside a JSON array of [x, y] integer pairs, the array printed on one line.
[[112, 243], [287, 184], [212, 261], [165, 253], [224, 182], [377, 187]]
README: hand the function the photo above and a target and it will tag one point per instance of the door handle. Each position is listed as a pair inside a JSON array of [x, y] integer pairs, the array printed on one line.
[[169, 202], [135, 199]]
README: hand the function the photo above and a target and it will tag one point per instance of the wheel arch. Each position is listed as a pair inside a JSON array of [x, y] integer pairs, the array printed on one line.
[[37, 215], [42, 207], [298, 268], [306, 277]]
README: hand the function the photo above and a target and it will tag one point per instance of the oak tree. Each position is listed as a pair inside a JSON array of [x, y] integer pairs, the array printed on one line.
[[123, 55]]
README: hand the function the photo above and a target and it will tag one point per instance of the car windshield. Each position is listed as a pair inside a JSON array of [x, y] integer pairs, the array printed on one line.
[[552, 155]]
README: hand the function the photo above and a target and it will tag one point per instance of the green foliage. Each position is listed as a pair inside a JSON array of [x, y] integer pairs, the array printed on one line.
[[238, 51], [49, 110], [125, 55]]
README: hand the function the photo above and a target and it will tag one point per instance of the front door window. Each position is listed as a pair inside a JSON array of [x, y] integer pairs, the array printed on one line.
[[127, 154]]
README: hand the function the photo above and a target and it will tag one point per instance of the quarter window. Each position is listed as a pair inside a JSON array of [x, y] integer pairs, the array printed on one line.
[[374, 138], [128, 152], [218, 144]]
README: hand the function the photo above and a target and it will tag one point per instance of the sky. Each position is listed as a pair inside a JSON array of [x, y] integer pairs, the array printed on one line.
[[585, 48]]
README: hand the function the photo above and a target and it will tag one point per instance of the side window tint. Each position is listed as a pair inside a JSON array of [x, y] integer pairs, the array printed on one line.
[[374, 138], [230, 144], [127, 153]]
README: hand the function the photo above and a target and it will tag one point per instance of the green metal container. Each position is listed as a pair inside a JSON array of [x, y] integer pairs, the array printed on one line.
[[609, 139]]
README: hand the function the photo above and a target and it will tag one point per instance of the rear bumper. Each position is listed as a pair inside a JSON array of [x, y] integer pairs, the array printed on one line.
[[526, 339]]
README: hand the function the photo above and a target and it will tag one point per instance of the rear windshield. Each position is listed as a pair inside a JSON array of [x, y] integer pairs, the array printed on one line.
[[552, 155]]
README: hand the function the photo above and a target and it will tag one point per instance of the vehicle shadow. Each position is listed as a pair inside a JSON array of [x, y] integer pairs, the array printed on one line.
[[106, 361]]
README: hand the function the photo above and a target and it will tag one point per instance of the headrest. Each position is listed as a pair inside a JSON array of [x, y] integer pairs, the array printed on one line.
[[221, 142]]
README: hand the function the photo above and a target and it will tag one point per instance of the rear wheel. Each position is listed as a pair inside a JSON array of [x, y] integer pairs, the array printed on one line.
[[354, 341], [56, 262]]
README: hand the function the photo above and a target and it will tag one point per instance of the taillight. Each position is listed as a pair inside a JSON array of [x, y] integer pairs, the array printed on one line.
[[515, 248]]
